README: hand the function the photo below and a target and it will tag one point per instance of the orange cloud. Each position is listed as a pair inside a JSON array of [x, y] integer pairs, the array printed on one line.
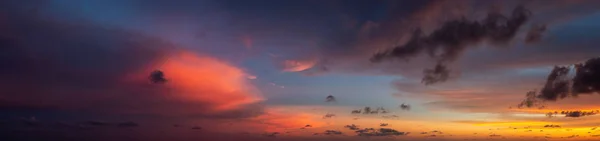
[[195, 78]]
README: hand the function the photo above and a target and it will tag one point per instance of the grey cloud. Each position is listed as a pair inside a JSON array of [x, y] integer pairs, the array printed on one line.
[[454, 37], [561, 82], [535, 33], [380, 132]]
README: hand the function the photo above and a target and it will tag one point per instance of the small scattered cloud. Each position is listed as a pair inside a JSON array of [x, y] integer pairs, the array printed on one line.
[[380, 132], [332, 132], [298, 65]]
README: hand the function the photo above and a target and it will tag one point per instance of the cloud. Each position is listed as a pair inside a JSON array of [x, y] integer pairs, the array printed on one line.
[[380, 132], [438, 74], [448, 42], [348, 48], [205, 79], [561, 83], [332, 132], [535, 33], [297, 65], [587, 77], [352, 127], [158, 76], [86, 67]]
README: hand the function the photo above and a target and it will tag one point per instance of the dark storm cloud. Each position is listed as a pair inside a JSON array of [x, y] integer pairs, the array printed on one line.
[[560, 84], [587, 77], [449, 41], [46, 63]]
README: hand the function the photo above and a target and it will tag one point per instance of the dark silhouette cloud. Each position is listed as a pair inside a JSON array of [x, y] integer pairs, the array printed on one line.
[[531, 100], [551, 126], [332, 132], [328, 116], [587, 77], [351, 127], [158, 77], [404, 106], [330, 98], [449, 41], [562, 83], [380, 132], [578, 113], [556, 84], [439, 73], [369, 110]]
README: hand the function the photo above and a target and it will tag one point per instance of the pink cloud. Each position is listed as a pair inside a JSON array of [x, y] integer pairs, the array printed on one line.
[[298, 65], [203, 79]]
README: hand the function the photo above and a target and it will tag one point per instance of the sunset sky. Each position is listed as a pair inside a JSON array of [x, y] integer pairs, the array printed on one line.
[[254, 70]]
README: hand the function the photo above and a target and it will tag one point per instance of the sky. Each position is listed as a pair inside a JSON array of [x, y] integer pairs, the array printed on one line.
[[294, 70]]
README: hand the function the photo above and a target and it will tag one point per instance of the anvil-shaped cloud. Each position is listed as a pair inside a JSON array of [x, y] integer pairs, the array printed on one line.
[[87, 67]]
